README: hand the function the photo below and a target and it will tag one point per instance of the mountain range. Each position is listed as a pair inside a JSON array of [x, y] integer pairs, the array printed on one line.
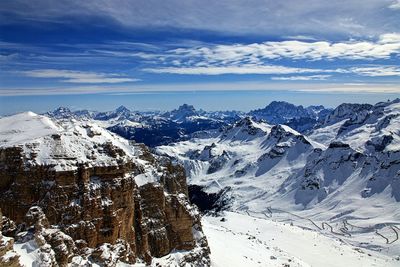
[[160, 128], [81, 188]]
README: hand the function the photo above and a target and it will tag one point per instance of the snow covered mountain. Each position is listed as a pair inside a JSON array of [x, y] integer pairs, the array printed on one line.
[[183, 113], [158, 128], [152, 128], [346, 169], [241, 157], [283, 195], [366, 128], [75, 194], [280, 163], [298, 117]]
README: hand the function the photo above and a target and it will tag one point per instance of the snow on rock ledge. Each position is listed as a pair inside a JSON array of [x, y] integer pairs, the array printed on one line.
[[81, 180]]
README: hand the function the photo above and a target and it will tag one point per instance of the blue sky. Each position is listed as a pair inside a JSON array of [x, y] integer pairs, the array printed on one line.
[[92, 53]]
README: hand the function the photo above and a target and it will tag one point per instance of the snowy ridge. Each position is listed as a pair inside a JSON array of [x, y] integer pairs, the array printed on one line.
[[300, 118], [67, 144], [241, 155], [152, 127], [365, 128], [64, 144], [24, 127], [345, 175]]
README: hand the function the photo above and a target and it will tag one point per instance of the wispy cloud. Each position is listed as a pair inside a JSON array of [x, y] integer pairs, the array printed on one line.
[[287, 18], [243, 69], [384, 47], [258, 58], [304, 86], [70, 76], [377, 71], [395, 4], [301, 78]]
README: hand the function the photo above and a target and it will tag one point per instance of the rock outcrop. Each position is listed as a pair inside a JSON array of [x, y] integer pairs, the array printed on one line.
[[117, 203], [8, 257]]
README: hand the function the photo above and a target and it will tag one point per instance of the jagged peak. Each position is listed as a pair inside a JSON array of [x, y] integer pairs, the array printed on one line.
[[122, 109], [186, 107], [246, 128], [249, 122], [347, 111], [351, 107], [244, 121], [182, 112], [282, 103], [281, 129], [62, 109], [60, 112]]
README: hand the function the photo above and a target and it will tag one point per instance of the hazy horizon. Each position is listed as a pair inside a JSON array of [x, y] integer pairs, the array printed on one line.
[[165, 101], [291, 50]]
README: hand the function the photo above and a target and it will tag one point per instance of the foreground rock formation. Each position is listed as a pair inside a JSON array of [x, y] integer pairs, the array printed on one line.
[[82, 195]]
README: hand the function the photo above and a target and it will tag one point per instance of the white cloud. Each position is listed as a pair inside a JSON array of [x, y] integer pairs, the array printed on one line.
[[256, 58], [243, 69], [383, 48], [377, 71], [70, 76], [277, 18], [395, 4], [301, 78], [264, 86]]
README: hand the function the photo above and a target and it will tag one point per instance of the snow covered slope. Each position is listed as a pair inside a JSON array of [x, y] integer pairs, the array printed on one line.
[[252, 158], [365, 128], [65, 144], [298, 117], [241, 240], [152, 127], [343, 179], [75, 194]]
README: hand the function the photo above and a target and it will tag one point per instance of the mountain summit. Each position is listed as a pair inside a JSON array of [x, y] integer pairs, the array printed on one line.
[[298, 117]]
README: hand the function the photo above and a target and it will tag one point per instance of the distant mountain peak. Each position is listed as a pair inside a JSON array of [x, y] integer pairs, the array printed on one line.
[[122, 109], [186, 107], [298, 117], [60, 113], [184, 111], [282, 103], [62, 109]]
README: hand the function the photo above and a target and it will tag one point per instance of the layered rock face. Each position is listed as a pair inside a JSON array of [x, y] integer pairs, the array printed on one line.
[[8, 257], [84, 196]]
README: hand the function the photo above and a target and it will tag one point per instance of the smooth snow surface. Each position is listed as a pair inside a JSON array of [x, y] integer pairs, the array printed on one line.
[[28, 253], [62, 144], [242, 240], [24, 127]]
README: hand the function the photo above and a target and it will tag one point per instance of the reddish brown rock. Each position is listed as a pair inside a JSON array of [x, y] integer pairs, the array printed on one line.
[[8, 257], [98, 208]]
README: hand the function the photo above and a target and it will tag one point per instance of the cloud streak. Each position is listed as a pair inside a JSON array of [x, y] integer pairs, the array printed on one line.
[[377, 71], [377, 88], [70, 76], [289, 18], [384, 47], [243, 69], [257, 58], [301, 78], [395, 5]]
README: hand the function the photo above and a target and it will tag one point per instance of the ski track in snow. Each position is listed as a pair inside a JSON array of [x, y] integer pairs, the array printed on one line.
[[243, 240]]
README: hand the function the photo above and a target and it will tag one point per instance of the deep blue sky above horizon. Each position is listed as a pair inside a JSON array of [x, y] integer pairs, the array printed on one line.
[[214, 54]]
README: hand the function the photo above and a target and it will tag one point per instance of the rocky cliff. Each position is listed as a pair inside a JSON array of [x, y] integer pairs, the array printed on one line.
[[83, 195]]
